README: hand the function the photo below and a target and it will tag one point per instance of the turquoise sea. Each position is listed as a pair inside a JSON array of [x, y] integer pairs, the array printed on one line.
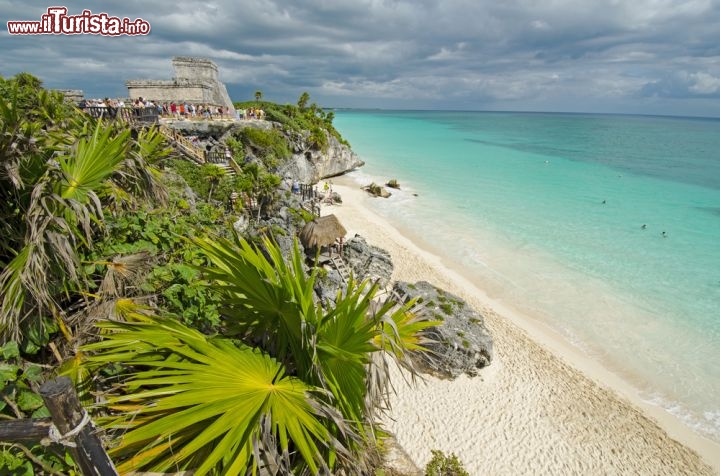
[[604, 227]]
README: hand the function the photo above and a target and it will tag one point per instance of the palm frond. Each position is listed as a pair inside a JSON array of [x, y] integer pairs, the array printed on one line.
[[201, 396], [92, 162]]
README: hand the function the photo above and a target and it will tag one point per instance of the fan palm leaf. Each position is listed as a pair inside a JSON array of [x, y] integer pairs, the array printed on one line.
[[92, 162], [201, 403], [270, 302]]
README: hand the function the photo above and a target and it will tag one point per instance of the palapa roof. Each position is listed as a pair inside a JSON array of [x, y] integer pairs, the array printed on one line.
[[322, 231]]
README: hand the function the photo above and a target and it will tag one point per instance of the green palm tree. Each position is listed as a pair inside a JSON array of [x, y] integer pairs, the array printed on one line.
[[213, 174], [187, 391], [303, 100]]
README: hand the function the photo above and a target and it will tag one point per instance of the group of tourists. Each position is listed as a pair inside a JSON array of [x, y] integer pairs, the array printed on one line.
[[190, 110], [251, 113], [170, 109]]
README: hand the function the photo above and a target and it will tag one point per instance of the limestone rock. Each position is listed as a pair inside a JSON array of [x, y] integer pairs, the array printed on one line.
[[462, 343], [310, 165], [328, 285], [367, 261], [199, 127]]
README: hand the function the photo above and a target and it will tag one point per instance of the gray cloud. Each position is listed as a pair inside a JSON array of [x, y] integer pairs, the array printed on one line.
[[605, 56]]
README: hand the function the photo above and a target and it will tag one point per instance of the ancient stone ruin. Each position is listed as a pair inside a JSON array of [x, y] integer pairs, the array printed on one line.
[[196, 81]]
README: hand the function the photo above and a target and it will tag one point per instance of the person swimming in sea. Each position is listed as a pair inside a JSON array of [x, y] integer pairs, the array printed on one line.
[[644, 226], [663, 234]]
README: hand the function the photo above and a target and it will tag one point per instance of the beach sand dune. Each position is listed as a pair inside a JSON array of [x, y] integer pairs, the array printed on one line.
[[540, 408]]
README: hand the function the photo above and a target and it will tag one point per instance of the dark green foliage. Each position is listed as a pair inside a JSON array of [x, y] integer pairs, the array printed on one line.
[[442, 465], [208, 181], [269, 145], [170, 273], [300, 216]]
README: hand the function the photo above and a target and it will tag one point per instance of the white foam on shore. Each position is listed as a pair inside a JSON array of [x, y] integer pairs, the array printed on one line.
[[603, 323], [530, 412]]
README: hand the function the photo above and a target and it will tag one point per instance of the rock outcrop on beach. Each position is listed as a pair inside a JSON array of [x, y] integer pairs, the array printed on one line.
[[462, 343], [367, 261], [377, 190]]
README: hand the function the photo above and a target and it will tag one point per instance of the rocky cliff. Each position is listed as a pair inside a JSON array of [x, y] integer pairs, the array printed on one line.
[[310, 165], [307, 163]]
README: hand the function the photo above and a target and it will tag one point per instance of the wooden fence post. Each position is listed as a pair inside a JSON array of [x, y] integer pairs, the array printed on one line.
[[74, 425]]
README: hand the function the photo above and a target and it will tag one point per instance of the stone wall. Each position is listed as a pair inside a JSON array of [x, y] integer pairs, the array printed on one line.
[[196, 80], [195, 69], [74, 95], [171, 91]]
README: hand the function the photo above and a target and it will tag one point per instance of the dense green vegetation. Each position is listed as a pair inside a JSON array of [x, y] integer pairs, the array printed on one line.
[[445, 465], [300, 117], [192, 346]]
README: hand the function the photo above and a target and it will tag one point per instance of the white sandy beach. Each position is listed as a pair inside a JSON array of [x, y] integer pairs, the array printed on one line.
[[542, 407]]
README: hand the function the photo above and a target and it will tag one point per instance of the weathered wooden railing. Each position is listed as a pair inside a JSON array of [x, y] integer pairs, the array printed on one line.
[[70, 426], [134, 115], [183, 143]]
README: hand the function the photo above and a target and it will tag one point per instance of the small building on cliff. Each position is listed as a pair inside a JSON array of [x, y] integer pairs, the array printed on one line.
[[196, 81]]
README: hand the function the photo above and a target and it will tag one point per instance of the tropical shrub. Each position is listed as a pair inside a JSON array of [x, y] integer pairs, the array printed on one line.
[[60, 170], [445, 465], [269, 145], [290, 385], [298, 117]]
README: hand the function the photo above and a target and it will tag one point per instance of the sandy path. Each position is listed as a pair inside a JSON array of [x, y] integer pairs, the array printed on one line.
[[530, 412]]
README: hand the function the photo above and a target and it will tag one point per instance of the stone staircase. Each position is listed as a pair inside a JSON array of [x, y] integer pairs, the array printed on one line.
[[226, 167]]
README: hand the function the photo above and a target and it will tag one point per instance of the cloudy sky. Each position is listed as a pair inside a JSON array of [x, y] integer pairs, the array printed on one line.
[[629, 56]]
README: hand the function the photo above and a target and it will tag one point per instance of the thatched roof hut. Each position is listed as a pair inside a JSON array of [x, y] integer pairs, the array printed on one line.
[[322, 231]]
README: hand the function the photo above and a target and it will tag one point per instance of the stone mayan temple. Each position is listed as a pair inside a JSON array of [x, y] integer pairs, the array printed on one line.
[[196, 81]]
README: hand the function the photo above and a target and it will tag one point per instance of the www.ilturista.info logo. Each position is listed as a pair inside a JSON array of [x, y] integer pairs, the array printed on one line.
[[57, 22]]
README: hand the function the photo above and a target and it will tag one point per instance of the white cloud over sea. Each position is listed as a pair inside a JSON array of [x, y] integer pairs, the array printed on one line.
[[631, 56]]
